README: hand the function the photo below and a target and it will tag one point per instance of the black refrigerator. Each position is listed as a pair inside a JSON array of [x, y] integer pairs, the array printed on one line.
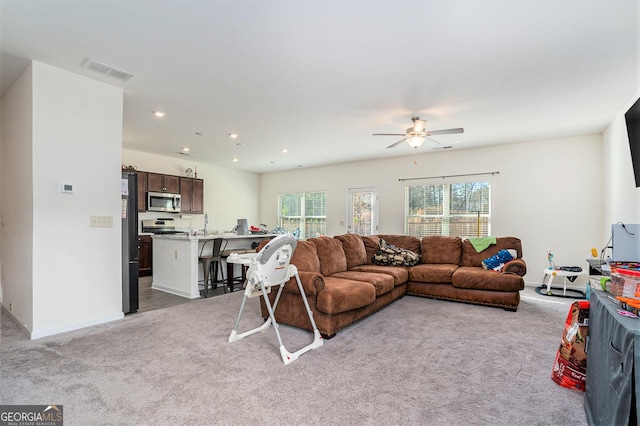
[[129, 193]]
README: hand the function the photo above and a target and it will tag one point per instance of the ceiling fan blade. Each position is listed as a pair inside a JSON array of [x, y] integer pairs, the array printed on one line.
[[437, 145], [397, 143], [445, 131], [388, 134]]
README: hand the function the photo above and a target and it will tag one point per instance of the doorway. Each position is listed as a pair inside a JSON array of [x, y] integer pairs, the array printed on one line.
[[362, 211]]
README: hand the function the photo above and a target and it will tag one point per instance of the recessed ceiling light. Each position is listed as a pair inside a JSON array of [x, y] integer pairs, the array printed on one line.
[[185, 149], [285, 150], [233, 135], [158, 113], [199, 134], [235, 160], [183, 153], [238, 144]]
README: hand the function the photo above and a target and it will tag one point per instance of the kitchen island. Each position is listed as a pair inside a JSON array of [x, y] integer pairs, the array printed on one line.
[[176, 269]]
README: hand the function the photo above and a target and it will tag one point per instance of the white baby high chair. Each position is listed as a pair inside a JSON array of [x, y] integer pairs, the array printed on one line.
[[268, 268]]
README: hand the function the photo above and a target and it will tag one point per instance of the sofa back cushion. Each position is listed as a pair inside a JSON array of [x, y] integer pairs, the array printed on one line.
[[371, 246], [353, 249], [470, 257], [305, 257], [441, 249], [331, 255]]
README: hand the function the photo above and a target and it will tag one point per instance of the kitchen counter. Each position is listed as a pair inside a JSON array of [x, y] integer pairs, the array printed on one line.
[[176, 269], [227, 236]]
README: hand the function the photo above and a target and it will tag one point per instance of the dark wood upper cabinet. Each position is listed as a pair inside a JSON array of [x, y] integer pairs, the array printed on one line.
[[172, 183], [190, 189], [157, 182], [142, 191], [197, 201], [192, 195]]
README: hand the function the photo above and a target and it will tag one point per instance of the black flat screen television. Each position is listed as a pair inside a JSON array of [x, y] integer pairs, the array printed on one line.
[[632, 118]]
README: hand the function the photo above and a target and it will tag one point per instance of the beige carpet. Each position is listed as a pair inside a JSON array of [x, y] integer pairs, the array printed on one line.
[[418, 361]]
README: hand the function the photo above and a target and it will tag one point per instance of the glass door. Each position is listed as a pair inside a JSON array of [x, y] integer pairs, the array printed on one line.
[[362, 211]]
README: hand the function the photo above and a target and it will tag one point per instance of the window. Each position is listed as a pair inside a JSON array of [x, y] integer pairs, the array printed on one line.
[[454, 209], [304, 213], [362, 211]]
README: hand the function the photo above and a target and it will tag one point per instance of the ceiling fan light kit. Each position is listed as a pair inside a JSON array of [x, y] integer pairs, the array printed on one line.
[[415, 141], [416, 135]]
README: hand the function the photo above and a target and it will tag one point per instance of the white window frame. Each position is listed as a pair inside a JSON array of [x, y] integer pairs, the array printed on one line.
[[482, 220], [300, 230]]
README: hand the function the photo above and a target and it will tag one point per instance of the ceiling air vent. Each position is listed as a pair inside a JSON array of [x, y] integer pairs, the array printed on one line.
[[94, 65]]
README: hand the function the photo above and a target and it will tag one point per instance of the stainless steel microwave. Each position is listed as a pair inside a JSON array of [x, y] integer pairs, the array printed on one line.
[[163, 202]]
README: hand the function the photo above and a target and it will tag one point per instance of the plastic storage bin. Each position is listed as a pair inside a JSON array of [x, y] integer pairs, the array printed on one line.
[[625, 283]]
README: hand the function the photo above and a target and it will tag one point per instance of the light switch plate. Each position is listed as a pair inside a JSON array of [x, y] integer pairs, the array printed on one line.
[[101, 221]]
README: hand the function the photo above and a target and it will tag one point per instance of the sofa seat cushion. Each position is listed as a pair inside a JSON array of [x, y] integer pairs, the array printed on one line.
[[481, 279], [400, 274], [331, 255], [342, 295], [432, 273], [383, 283], [353, 249]]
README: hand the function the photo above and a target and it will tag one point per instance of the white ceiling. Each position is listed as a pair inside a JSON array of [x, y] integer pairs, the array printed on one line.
[[319, 77]]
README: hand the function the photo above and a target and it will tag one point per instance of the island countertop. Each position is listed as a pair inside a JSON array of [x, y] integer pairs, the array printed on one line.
[[175, 260], [200, 237]]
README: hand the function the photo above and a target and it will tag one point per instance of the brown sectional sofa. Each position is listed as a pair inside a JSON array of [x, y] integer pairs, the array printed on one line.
[[342, 285]]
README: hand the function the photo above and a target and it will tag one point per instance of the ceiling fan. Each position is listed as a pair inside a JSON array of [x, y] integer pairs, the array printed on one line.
[[417, 134]]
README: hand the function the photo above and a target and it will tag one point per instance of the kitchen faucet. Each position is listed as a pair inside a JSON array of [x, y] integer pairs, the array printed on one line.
[[206, 222]]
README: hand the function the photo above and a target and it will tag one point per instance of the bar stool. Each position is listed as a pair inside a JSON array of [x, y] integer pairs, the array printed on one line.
[[232, 279], [212, 263]]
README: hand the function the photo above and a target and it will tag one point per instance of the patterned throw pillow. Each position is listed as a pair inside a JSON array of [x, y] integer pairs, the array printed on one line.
[[390, 255]]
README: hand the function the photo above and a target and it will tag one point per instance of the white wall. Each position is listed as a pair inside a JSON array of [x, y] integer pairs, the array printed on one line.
[[229, 194], [548, 192], [72, 271], [17, 201]]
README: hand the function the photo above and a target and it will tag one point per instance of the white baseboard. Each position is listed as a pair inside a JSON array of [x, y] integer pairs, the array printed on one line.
[[175, 292], [76, 326], [17, 321]]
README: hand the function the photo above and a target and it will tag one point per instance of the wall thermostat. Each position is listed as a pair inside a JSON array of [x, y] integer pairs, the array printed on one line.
[[66, 188]]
